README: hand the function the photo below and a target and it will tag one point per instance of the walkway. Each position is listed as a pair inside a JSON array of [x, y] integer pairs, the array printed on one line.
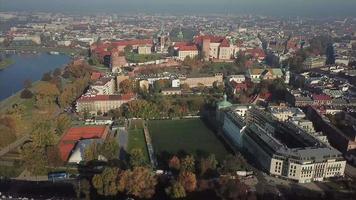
[[14, 145], [149, 146]]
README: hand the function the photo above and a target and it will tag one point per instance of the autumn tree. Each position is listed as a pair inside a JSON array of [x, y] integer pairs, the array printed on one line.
[[137, 158], [207, 164], [126, 86], [174, 163], [34, 159], [106, 182], [188, 164], [176, 191], [92, 152], [142, 182], [63, 123], [110, 148], [26, 94], [188, 180], [232, 189], [230, 164], [46, 94], [43, 134]]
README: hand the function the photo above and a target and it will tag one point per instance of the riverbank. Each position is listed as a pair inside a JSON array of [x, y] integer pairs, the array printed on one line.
[[6, 63], [39, 49]]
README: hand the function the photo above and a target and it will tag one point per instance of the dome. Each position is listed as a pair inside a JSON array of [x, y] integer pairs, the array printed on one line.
[[224, 104]]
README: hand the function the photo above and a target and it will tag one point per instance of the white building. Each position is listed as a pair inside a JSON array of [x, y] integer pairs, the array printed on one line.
[[104, 86]]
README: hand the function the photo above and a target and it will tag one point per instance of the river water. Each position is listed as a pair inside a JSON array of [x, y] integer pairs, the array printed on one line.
[[27, 67]]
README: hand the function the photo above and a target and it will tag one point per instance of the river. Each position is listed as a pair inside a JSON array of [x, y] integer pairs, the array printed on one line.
[[27, 67]]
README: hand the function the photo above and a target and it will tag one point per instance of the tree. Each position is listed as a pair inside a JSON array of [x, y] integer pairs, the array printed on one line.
[[188, 164], [57, 72], [137, 158], [43, 134], [188, 180], [92, 152], [106, 182], [230, 164], [53, 156], [34, 159], [176, 191], [128, 49], [83, 187], [26, 94], [232, 189], [46, 94], [110, 148], [142, 182], [46, 77], [27, 84], [63, 123], [207, 164], [174, 163], [161, 84], [126, 86]]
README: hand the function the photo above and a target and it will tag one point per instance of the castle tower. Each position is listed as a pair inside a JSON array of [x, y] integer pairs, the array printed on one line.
[[206, 48]]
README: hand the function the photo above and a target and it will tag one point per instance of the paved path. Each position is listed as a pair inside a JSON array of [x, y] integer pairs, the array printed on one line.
[[123, 138], [14, 145], [149, 146]]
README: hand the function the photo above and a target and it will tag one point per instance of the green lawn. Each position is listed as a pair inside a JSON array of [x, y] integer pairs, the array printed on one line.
[[137, 138], [188, 135]]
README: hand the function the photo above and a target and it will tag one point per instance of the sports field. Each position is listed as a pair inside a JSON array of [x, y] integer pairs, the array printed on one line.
[[137, 138], [188, 135]]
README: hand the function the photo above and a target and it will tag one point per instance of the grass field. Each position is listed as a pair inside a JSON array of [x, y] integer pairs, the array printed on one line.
[[137, 138], [188, 135]]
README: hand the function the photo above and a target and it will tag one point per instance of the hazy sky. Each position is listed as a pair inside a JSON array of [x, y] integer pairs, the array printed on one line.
[[269, 7]]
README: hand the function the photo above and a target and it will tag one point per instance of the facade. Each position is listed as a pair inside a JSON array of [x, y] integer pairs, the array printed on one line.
[[315, 62], [187, 51], [104, 86], [215, 47], [144, 84], [258, 74], [117, 62], [206, 81], [237, 78], [102, 103], [172, 91], [175, 83], [281, 148], [144, 49]]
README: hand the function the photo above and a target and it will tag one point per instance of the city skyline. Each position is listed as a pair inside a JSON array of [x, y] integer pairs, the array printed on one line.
[[263, 7]]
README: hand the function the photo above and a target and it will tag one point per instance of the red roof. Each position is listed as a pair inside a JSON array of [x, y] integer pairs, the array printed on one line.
[[214, 39], [321, 97], [133, 42], [125, 97], [188, 48], [256, 53], [70, 138], [95, 76], [225, 43]]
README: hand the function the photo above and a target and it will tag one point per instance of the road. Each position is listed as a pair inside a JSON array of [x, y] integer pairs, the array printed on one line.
[[123, 138]]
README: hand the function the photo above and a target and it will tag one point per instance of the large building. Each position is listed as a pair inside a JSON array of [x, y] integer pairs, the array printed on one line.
[[77, 134], [314, 62], [206, 81], [103, 103], [103, 86], [215, 47], [187, 51], [281, 148]]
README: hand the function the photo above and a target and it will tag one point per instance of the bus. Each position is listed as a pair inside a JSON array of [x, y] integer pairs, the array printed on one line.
[[58, 176]]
